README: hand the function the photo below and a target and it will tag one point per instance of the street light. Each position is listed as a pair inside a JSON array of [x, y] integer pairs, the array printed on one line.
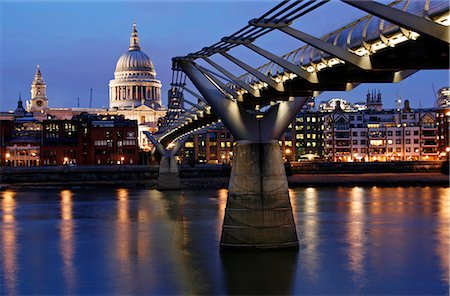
[[122, 159], [7, 155]]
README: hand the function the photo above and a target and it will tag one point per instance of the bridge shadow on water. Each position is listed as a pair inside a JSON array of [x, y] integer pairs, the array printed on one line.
[[259, 272]]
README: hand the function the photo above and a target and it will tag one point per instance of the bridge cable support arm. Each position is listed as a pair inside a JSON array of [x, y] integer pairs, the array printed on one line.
[[311, 77], [235, 79], [219, 84], [264, 78]]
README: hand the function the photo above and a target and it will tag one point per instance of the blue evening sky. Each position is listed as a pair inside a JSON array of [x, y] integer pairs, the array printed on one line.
[[77, 45]]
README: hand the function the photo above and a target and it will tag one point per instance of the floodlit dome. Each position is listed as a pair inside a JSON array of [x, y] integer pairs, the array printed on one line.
[[134, 60], [134, 82]]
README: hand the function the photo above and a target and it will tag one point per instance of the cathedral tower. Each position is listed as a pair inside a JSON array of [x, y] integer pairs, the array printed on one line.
[[39, 99]]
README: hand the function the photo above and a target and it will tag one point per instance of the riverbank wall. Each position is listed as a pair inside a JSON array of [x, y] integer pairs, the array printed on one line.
[[217, 176]]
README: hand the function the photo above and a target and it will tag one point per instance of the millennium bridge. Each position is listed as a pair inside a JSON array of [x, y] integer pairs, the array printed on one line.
[[387, 45]]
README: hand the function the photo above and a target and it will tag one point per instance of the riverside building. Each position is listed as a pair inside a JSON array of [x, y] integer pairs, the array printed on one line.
[[86, 139]]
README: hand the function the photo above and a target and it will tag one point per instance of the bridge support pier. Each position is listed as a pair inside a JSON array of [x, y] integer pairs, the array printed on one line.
[[168, 178], [258, 212]]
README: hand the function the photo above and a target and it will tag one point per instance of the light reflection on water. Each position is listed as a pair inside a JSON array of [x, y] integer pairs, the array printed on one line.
[[9, 244], [67, 241], [353, 240]]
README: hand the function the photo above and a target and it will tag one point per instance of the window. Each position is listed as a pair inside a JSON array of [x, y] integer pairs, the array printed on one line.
[[389, 133], [408, 133], [355, 134], [363, 150], [355, 142], [408, 149], [390, 149], [363, 142], [398, 141], [408, 141], [398, 149], [416, 141], [416, 133], [398, 133], [189, 144], [129, 143]]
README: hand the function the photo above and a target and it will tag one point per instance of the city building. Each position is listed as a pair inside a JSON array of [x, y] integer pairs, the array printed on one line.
[[90, 140], [212, 146], [381, 135], [21, 138], [86, 139]]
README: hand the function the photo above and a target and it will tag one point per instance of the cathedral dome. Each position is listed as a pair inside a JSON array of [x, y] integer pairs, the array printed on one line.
[[134, 82], [134, 60]]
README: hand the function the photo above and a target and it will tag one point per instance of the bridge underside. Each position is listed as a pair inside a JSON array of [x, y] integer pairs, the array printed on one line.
[[389, 65]]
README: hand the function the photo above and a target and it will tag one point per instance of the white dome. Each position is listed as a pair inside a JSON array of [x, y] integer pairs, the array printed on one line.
[[134, 60]]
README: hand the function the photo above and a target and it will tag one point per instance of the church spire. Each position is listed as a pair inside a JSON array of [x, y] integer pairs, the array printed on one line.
[[134, 39], [38, 79]]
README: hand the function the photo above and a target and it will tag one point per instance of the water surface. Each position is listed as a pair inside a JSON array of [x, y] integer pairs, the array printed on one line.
[[139, 241]]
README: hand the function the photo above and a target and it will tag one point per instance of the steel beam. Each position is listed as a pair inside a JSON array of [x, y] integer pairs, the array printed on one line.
[[235, 79], [200, 98], [311, 77], [272, 83], [403, 19], [219, 84], [199, 107], [339, 52]]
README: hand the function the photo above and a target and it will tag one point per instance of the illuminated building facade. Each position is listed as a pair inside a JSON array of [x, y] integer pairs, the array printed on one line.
[[387, 135], [212, 146]]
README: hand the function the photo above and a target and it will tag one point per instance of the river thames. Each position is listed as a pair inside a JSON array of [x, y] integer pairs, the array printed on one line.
[[353, 240]]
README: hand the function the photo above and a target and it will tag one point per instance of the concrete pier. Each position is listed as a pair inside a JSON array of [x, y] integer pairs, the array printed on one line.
[[168, 178], [258, 212]]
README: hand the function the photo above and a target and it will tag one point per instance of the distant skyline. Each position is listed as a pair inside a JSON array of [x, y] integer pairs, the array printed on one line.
[[77, 45]]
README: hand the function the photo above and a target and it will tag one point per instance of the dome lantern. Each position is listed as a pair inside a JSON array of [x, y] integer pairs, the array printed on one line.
[[134, 39]]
